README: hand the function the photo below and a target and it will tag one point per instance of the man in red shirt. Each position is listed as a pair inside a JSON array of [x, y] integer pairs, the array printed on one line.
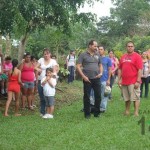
[[129, 75]]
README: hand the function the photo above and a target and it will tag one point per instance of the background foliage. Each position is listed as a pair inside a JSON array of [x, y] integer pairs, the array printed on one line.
[[38, 24]]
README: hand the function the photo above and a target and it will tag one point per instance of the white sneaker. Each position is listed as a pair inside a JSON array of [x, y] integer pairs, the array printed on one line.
[[45, 116], [50, 116]]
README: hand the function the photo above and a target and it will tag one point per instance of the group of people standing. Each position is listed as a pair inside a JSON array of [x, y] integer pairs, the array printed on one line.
[[28, 75], [96, 69]]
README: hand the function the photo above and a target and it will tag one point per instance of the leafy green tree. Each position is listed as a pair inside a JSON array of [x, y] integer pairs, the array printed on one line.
[[124, 19], [27, 15]]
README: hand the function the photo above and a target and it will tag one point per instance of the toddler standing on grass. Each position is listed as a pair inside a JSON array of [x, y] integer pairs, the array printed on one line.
[[49, 83], [14, 81]]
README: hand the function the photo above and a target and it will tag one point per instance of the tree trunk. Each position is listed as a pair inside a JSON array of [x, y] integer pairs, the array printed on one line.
[[8, 45], [22, 46]]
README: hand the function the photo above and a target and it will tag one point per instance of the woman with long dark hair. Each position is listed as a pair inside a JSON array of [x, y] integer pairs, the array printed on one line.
[[14, 81]]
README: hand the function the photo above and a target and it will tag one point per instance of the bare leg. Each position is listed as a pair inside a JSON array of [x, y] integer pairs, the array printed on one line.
[[17, 104], [136, 107], [13, 96], [8, 103], [48, 110], [33, 96], [51, 110], [29, 96], [24, 94], [23, 100], [32, 100], [127, 105]]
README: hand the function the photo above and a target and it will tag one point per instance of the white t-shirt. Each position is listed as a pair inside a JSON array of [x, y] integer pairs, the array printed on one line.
[[71, 60], [47, 89], [52, 63]]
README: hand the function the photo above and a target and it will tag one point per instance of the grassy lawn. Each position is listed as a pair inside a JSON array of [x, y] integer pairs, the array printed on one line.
[[70, 131]]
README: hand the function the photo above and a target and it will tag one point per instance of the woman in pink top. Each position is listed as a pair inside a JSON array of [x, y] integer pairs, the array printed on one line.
[[7, 66], [113, 69], [27, 77]]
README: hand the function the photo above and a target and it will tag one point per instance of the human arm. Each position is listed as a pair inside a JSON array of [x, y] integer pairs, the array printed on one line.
[[19, 78], [100, 70], [52, 82], [109, 75], [119, 77], [37, 67], [138, 82], [4, 69], [67, 61], [115, 67], [57, 68], [85, 78], [44, 80]]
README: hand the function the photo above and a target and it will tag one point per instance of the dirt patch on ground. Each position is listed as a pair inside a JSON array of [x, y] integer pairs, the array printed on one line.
[[66, 94]]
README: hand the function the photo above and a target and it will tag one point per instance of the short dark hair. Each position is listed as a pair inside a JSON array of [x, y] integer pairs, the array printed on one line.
[[7, 58], [53, 56], [71, 51], [91, 42], [102, 46], [49, 69], [129, 42], [46, 50], [111, 51], [33, 57]]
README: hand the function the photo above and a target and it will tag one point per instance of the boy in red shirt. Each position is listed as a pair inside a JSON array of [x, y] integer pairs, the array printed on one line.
[[129, 75]]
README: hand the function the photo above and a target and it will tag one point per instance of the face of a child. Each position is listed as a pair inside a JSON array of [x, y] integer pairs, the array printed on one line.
[[49, 73], [8, 61]]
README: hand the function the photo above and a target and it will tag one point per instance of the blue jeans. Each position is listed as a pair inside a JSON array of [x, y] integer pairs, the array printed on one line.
[[42, 98], [104, 100], [71, 69], [95, 84]]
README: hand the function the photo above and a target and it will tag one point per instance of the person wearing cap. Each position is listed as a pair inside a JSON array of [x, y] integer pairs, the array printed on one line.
[[71, 63]]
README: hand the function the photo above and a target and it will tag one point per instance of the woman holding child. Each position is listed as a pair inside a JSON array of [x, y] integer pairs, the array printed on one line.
[[43, 64]]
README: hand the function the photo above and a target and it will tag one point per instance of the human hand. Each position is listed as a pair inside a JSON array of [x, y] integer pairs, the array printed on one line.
[[119, 83], [108, 82], [99, 75], [136, 85], [86, 79], [47, 78]]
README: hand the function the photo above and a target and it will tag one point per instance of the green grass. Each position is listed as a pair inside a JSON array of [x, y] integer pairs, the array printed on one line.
[[70, 131]]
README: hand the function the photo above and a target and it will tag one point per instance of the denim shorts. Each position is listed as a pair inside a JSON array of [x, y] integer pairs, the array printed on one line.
[[49, 101], [28, 85]]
